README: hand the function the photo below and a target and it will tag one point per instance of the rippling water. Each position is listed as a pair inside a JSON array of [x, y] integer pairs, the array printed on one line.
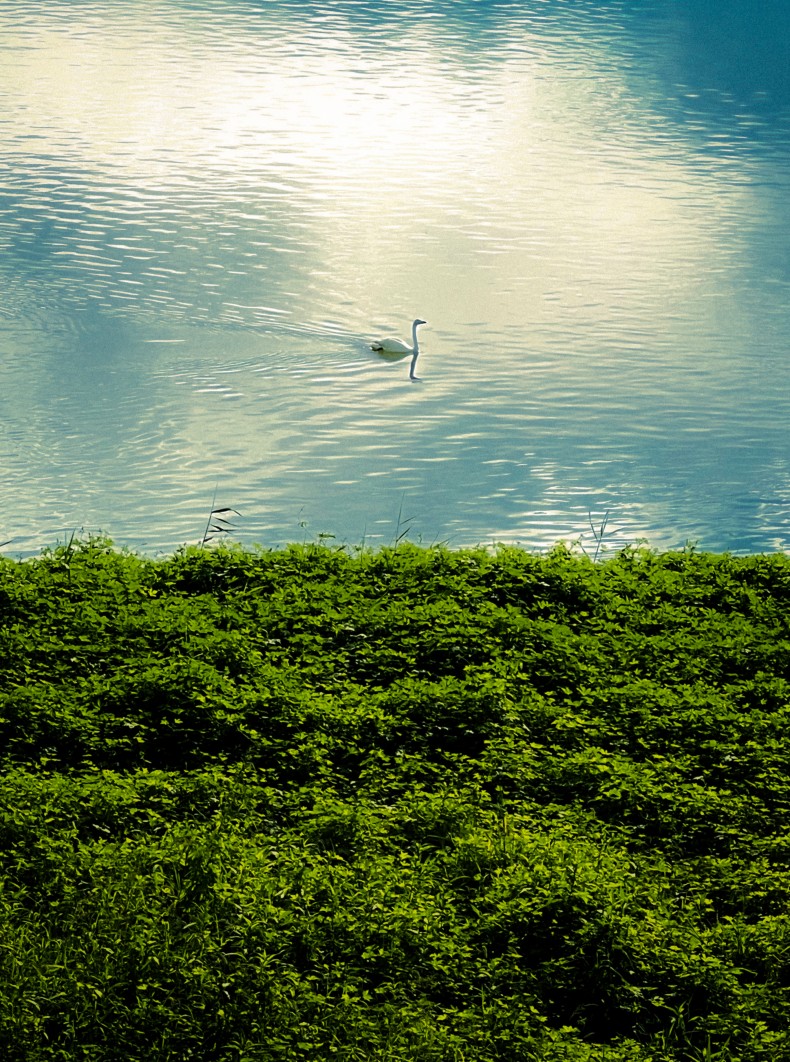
[[208, 209]]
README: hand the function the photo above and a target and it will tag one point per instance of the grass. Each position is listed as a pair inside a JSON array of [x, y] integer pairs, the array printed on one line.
[[411, 804]]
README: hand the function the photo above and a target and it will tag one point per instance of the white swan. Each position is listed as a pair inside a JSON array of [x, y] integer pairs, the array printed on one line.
[[395, 349]]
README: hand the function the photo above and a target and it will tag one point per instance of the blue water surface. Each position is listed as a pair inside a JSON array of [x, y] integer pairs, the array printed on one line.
[[208, 210]]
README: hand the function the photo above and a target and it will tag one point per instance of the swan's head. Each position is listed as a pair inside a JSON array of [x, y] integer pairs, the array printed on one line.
[[418, 322]]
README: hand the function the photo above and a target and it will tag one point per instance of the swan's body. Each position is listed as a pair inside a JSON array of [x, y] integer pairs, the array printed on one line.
[[391, 346], [395, 349]]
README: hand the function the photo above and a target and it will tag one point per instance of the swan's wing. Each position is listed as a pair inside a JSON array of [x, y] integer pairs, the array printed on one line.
[[393, 346]]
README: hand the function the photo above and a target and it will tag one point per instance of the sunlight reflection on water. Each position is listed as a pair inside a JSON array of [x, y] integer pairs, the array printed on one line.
[[204, 217]]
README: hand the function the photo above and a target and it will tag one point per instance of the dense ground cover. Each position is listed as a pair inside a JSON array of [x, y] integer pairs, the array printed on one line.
[[412, 804]]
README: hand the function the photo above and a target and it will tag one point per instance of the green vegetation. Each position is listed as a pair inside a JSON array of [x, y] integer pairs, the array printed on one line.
[[414, 804]]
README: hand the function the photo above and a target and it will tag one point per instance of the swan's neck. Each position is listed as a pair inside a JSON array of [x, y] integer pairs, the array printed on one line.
[[414, 344]]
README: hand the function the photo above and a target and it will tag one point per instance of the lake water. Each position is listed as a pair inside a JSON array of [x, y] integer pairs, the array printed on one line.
[[208, 209]]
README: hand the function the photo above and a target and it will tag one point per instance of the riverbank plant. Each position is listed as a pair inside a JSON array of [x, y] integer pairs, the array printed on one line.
[[412, 804]]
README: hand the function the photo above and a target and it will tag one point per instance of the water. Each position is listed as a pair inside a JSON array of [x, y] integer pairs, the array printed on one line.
[[208, 209]]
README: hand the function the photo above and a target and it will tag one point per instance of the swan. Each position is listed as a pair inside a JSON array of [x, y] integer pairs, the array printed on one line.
[[395, 349]]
